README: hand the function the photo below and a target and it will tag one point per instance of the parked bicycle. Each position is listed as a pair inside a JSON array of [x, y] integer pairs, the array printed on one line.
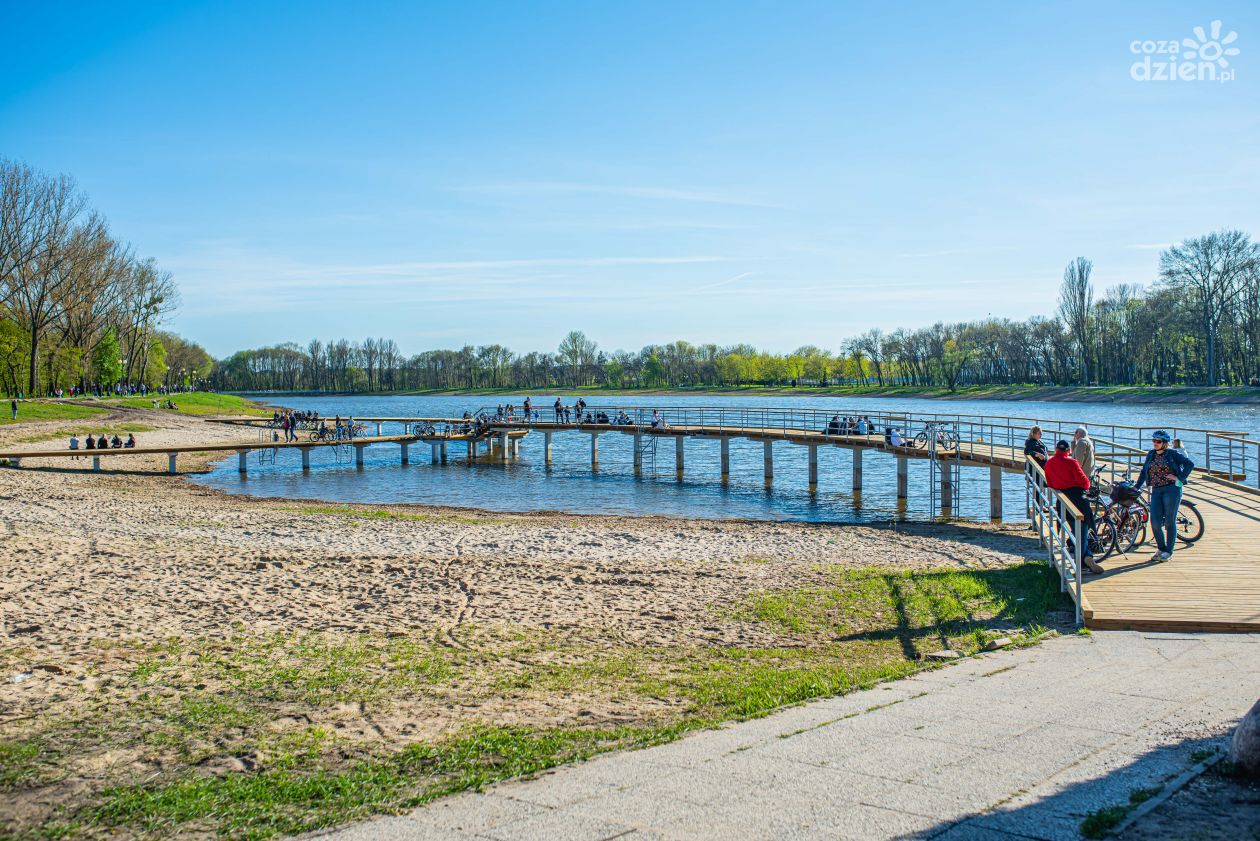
[[1128, 509], [946, 437]]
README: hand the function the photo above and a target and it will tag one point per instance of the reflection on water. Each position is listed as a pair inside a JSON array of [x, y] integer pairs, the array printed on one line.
[[569, 484]]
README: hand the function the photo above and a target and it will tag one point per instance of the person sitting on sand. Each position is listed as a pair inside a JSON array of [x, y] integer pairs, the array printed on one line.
[[115, 443], [90, 444], [74, 442], [131, 442]]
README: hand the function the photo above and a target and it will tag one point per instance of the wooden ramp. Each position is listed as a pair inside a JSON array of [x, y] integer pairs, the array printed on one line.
[[1213, 585]]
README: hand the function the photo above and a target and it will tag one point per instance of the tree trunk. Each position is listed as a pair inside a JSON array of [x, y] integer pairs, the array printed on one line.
[[34, 378]]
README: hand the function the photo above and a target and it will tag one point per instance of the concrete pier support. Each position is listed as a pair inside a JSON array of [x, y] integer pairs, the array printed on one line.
[[170, 463], [503, 446], [594, 450], [995, 493], [638, 452], [813, 466], [358, 454], [947, 486], [516, 447], [96, 464], [857, 469], [726, 459], [472, 450], [306, 457], [767, 460], [903, 477], [442, 451], [242, 458], [433, 453], [679, 444], [547, 447]]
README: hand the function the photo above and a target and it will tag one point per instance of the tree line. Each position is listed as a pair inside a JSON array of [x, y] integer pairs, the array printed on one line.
[[1197, 323], [79, 308]]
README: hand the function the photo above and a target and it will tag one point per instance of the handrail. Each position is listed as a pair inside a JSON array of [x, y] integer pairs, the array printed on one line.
[[1064, 542]]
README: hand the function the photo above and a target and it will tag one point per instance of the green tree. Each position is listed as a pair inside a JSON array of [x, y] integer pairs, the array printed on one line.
[[155, 366], [107, 359]]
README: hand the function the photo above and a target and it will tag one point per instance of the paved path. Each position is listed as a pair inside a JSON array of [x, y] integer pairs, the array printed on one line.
[[1012, 745]]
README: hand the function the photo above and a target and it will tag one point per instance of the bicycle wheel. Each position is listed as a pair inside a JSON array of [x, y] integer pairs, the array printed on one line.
[[921, 441], [1102, 539], [1130, 532], [1189, 523], [949, 440]]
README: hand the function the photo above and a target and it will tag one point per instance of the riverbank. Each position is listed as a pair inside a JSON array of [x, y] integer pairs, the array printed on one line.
[[1187, 395], [181, 662]]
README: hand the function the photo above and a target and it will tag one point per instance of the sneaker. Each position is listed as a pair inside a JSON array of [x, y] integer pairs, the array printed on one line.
[[1161, 556]]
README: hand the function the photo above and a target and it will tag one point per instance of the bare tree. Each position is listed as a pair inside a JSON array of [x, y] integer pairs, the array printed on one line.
[[1210, 271], [36, 281], [1076, 308]]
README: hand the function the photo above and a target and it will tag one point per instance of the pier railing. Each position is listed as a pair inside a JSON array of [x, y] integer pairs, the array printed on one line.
[[1059, 527], [1225, 452]]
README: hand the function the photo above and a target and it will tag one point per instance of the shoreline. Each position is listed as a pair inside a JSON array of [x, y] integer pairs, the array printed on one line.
[[1184, 395]]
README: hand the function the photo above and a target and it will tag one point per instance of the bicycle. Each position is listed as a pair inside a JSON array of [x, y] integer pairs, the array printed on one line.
[[946, 439], [1129, 510]]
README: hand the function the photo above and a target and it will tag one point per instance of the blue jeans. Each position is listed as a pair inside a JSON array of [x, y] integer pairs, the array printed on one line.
[[1165, 500]]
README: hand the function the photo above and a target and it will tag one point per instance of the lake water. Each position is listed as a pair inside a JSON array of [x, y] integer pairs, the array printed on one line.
[[568, 484]]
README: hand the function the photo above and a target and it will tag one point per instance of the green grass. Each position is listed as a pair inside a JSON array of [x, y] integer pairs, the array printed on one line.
[[286, 798], [45, 410], [906, 602], [274, 703], [1101, 822], [199, 403]]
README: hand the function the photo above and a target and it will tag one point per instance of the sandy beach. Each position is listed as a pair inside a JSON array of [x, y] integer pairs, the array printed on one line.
[[104, 573]]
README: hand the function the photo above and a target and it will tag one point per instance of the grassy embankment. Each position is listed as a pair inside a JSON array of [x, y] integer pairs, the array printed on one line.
[[198, 403], [214, 736]]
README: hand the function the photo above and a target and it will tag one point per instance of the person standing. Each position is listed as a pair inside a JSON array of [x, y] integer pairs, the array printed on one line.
[[1064, 474], [13, 406], [1083, 450], [1166, 471], [1033, 446]]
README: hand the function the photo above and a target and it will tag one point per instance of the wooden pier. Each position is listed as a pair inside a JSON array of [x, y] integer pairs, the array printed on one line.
[[1211, 585]]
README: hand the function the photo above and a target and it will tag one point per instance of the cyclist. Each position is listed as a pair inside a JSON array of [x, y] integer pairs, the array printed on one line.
[[1064, 474], [1167, 471]]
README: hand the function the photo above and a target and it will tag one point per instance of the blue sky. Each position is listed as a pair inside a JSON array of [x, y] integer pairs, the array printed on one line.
[[776, 173]]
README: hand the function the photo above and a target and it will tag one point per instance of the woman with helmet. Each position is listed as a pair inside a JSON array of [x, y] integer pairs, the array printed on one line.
[[1167, 471]]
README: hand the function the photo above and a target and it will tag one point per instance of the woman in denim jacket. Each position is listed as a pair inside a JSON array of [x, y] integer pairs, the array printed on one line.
[[1166, 470]]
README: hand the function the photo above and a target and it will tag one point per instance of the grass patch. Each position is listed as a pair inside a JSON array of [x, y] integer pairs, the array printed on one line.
[[199, 403], [46, 410], [915, 607], [1100, 822], [287, 798]]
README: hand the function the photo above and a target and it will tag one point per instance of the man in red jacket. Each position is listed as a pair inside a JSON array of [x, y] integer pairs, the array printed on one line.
[[1064, 474]]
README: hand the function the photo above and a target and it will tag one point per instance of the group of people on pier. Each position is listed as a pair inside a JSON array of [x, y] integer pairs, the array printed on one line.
[[1166, 469], [855, 425]]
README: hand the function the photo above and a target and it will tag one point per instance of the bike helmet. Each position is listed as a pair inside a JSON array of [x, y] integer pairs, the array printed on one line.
[[1161, 435]]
